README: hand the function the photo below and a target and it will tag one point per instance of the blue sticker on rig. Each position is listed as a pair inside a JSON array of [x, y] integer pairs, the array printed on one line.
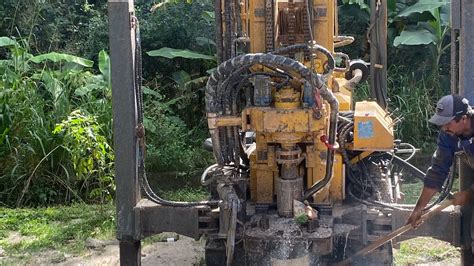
[[366, 129]]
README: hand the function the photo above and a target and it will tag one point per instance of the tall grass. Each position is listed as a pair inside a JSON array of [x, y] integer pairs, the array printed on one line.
[[415, 97], [56, 129], [172, 145], [37, 94]]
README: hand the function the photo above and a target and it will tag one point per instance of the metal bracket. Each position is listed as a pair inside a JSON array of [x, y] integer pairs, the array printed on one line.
[[446, 226]]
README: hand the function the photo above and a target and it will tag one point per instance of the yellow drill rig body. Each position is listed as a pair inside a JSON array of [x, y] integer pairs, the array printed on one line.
[[285, 130]]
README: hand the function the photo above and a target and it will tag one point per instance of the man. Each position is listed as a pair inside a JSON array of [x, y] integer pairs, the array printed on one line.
[[454, 117]]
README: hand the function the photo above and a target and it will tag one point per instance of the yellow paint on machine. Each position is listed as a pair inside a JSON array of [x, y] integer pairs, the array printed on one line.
[[334, 190], [270, 120], [372, 127], [262, 177]]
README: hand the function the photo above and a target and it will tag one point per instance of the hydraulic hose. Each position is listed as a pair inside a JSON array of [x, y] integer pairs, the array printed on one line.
[[334, 104], [340, 41], [224, 71], [375, 202], [204, 180], [141, 135], [357, 77], [228, 29], [215, 92], [415, 171], [158, 200], [237, 10], [446, 189], [413, 149], [347, 65], [310, 48]]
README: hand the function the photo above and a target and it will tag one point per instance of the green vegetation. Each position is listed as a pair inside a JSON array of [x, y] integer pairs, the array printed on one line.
[[63, 228], [55, 107], [426, 250], [25, 232], [412, 191], [425, 23], [416, 78], [186, 194], [49, 103], [413, 98]]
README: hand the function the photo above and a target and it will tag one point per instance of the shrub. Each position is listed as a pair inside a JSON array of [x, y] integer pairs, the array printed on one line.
[[36, 94]]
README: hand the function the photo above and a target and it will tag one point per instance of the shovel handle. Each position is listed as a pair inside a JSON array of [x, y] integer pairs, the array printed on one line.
[[383, 239]]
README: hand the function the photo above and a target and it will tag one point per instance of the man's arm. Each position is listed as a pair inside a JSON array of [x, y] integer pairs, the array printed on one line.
[[426, 194], [460, 198], [435, 176], [441, 161], [463, 197]]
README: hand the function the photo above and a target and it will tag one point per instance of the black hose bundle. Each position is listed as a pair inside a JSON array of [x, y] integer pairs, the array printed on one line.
[[222, 90], [220, 94], [362, 185], [158, 200], [311, 48]]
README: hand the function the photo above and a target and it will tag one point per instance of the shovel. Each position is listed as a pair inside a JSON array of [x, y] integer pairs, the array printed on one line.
[[383, 239]]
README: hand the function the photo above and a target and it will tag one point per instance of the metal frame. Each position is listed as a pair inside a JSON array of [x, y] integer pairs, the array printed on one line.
[[136, 218], [462, 20], [122, 55]]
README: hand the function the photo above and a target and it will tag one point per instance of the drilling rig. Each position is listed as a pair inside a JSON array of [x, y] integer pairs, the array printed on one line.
[[304, 175], [285, 130]]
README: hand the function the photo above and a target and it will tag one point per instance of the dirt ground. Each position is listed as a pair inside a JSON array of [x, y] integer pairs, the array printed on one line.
[[184, 251], [181, 252]]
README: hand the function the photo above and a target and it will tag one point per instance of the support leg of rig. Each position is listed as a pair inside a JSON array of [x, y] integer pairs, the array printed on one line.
[[466, 180], [122, 55], [130, 252]]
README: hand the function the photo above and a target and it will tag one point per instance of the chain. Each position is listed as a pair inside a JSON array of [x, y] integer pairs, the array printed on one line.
[[269, 31]]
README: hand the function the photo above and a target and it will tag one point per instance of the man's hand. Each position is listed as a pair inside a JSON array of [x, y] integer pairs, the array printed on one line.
[[415, 217], [462, 197], [425, 196]]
